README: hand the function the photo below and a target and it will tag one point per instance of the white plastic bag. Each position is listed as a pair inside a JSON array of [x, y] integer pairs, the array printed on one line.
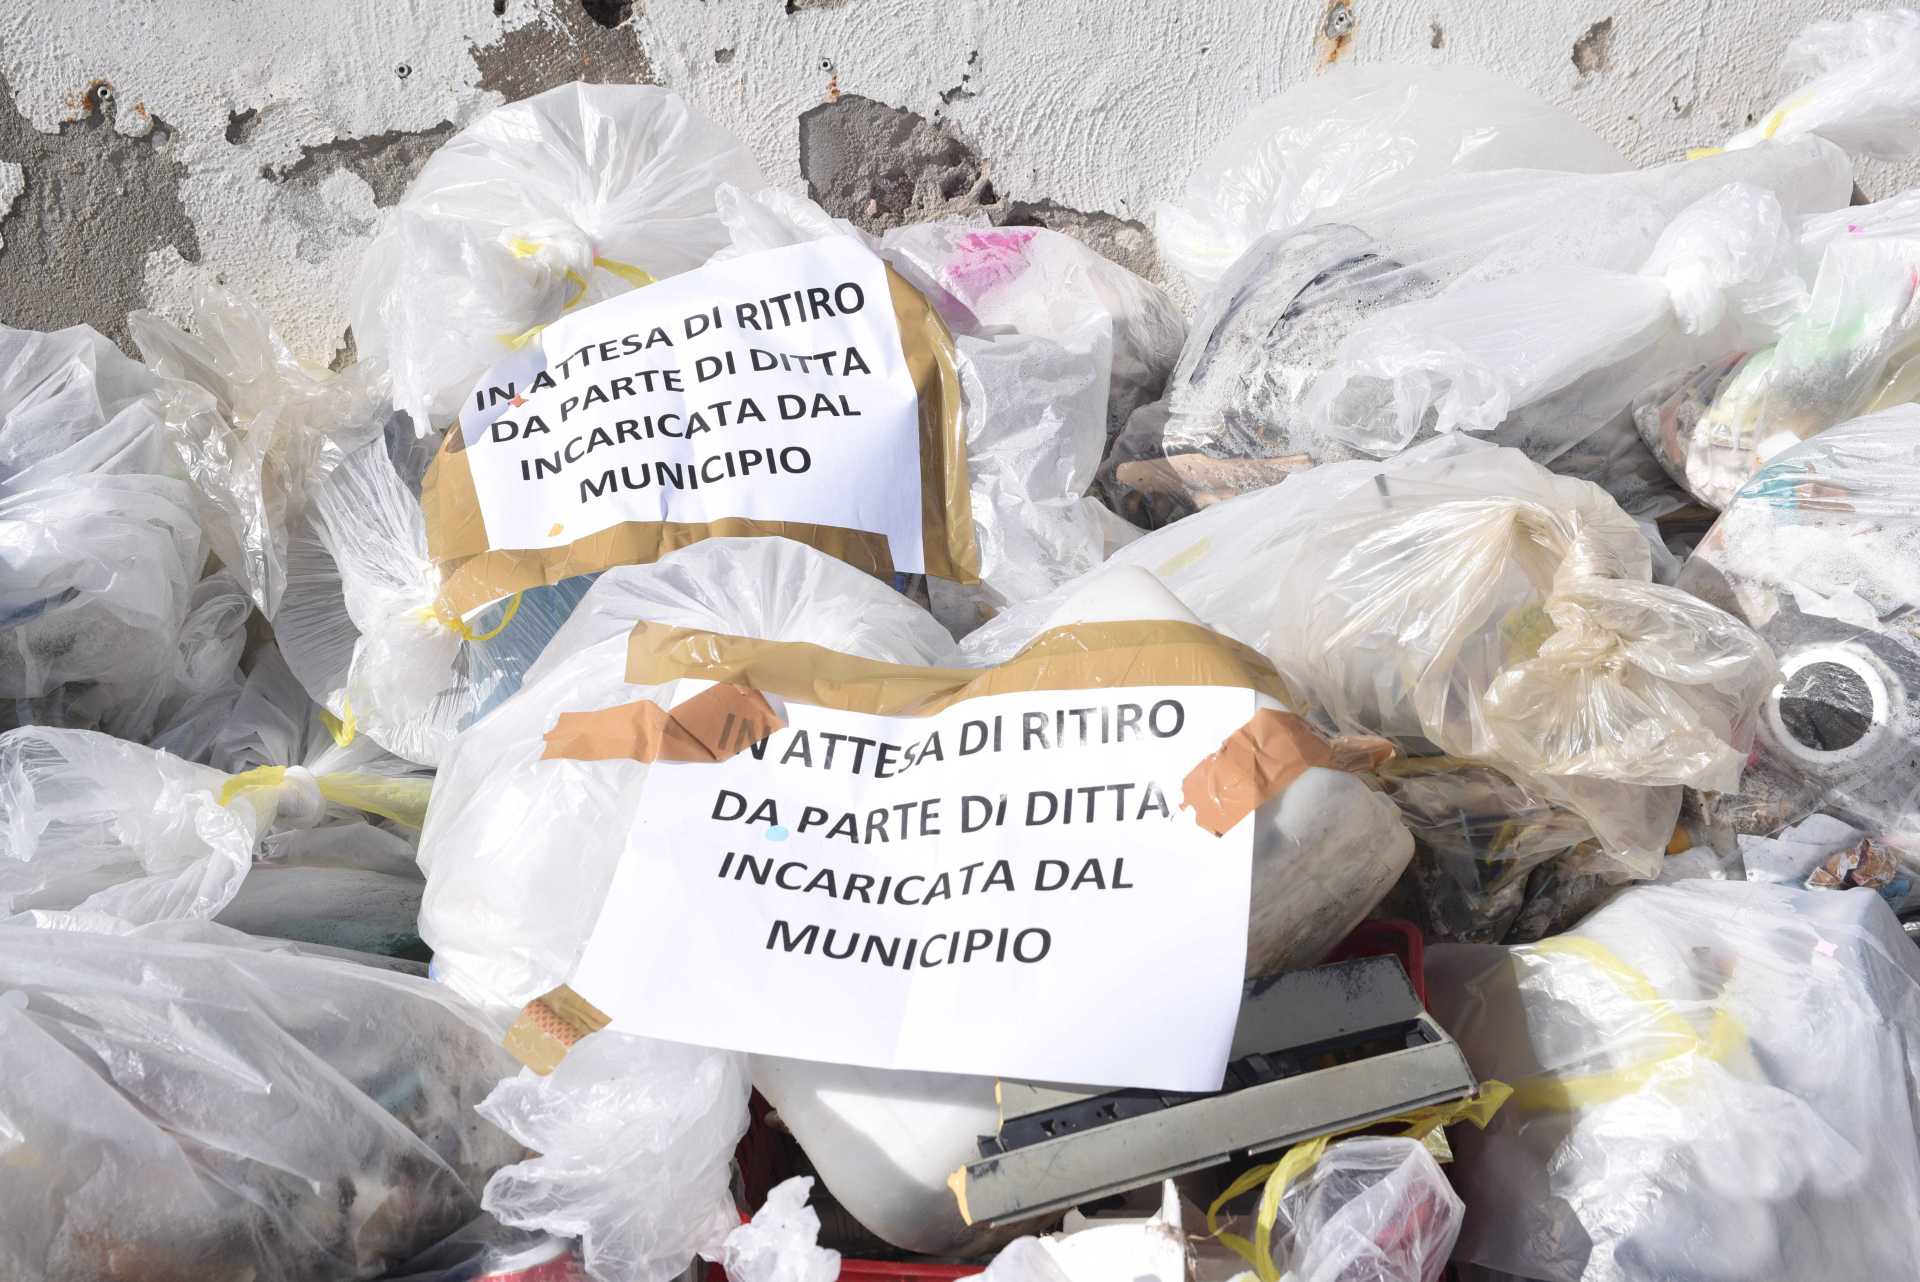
[[1466, 360], [562, 199], [1682, 1103], [100, 834], [1359, 132], [1235, 416], [782, 1241], [508, 920], [1817, 552], [1854, 86], [1851, 350], [192, 1104], [254, 429], [99, 548]]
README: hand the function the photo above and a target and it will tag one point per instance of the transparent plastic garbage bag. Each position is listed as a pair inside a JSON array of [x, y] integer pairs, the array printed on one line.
[[101, 834], [1236, 414], [1850, 81], [1372, 1209], [1820, 553], [253, 427], [99, 547], [1359, 132], [507, 920], [186, 1102], [1711, 1080], [562, 199], [1461, 598]]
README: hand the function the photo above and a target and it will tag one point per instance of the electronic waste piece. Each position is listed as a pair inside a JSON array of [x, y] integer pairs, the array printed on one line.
[[1316, 1051]]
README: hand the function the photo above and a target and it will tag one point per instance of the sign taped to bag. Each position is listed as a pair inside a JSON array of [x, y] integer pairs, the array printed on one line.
[[1036, 870], [805, 391]]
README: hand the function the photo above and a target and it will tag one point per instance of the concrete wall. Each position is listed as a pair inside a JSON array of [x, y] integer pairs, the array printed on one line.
[[147, 144]]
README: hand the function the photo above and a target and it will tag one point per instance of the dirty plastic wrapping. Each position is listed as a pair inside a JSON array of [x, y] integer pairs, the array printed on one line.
[[1711, 1079], [1470, 358], [1820, 553], [186, 1102], [100, 834], [100, 548], [1851, 350], [1036, 326], [1372, 1209], [561, 200], [254, 428], [1360, 132], [1461, 599], [1822, 853], [1236, 416], [507, 925]]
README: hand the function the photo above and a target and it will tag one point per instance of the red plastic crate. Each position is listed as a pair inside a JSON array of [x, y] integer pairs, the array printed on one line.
[[761, 1159]]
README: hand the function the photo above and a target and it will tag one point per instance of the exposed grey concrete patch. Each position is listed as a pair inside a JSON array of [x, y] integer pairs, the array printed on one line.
[[386, 161], [880, 167], [801, 6], [1590, 50], [578, 46], [96, 203], [1439, 40], [723, 56], [241, 124]]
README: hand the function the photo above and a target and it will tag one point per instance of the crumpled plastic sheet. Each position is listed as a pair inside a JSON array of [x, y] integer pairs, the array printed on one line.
[[1372, 1209], [1711, 1080], [187, 1102], [554, 202], [1849, 81], [782, 1241], [634, 1138], [1360, 132]]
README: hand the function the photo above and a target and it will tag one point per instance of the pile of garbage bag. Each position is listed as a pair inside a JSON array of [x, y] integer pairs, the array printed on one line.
[[725, 744]]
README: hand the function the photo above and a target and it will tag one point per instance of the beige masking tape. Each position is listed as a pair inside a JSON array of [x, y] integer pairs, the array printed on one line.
[[549, 1026], [473, 572], [714, 725], [1260, 759]]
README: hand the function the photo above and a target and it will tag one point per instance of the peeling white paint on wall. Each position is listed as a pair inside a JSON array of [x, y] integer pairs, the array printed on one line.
[[1099, 107], [13, 181]]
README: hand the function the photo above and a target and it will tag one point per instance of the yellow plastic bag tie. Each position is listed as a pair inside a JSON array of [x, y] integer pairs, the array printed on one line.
[[402, 800], [1279, 1176], [464, 630], [258, 779], [1556, 1092], [342, 727], [635, 276]]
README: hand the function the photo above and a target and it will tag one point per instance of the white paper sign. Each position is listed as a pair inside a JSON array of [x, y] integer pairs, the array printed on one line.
[[1009, 887], [770, 387]]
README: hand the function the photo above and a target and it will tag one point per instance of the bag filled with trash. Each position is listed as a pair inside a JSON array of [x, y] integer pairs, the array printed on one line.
[[187, 1102], [1679, 1108], [574, 752], [540, 207], [98, 538], [1850, 350], [1817, 553], [253, 428], [1244, 405], [1358, 133], [1458, 598], [101, 834]]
